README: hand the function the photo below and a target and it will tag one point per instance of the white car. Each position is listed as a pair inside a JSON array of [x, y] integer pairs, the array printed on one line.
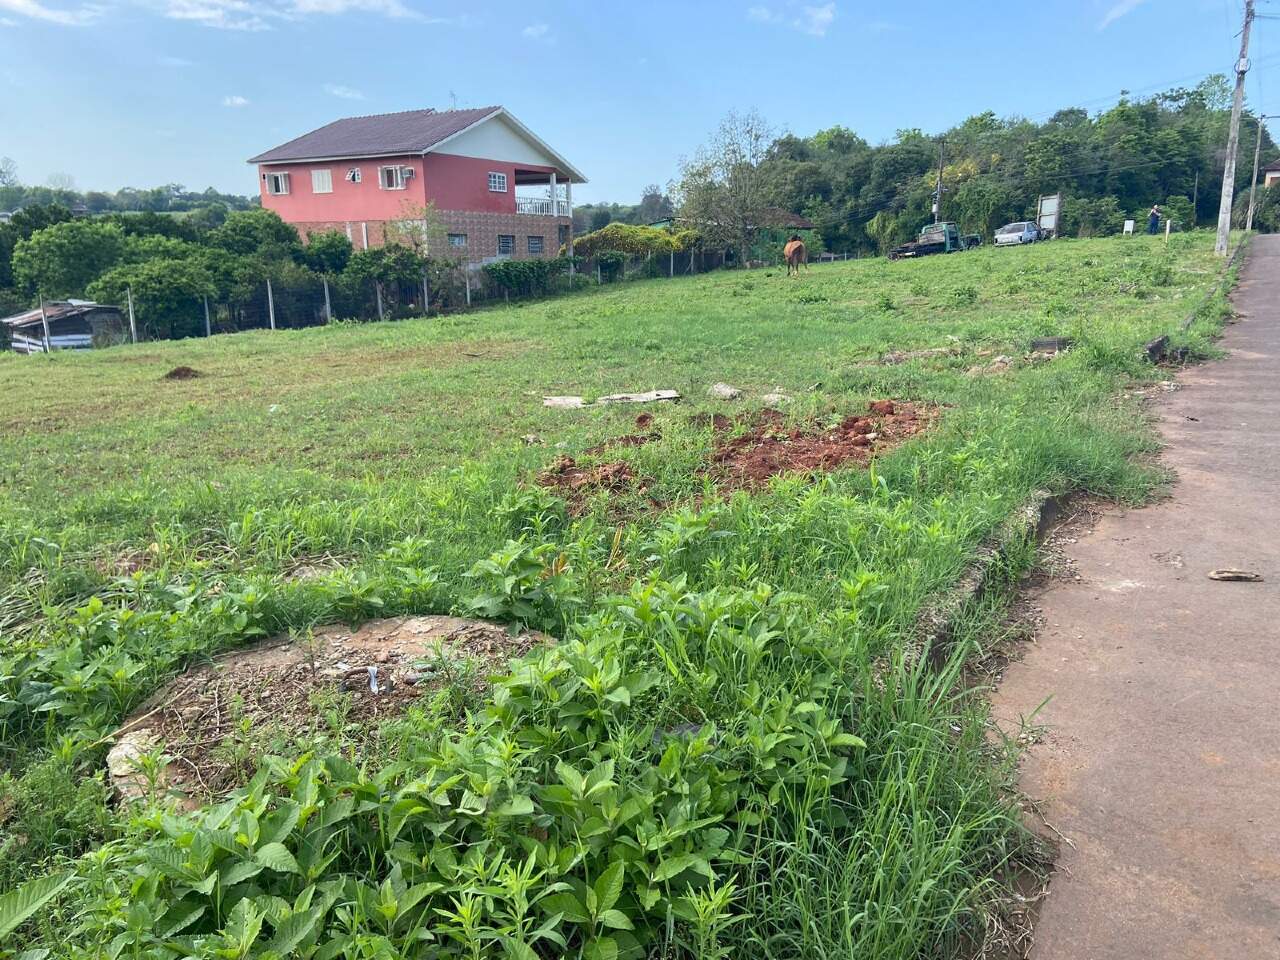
[[1024, 231]]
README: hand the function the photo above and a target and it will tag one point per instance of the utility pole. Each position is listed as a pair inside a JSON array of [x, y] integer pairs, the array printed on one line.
[[1233, 138], [937, 196], [1253, 181]]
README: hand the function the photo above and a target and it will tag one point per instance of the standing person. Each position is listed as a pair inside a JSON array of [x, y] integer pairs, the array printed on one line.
[[1153, 219]]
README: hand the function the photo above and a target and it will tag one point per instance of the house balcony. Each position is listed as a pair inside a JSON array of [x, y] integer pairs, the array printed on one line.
[[543, 206]]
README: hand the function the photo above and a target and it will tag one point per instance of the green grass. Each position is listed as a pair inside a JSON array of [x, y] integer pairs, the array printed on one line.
[[145, 523]]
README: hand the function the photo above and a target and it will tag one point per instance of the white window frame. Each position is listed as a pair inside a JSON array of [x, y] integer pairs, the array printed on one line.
[[400, 181], [506, 236], [326, 176], [353, 175], [497, 182], [457, 239], [275, 180]]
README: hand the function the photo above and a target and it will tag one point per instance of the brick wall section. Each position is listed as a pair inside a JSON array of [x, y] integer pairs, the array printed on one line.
[[482, 231]]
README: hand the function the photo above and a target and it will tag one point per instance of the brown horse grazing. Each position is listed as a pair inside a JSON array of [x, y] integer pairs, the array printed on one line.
[[795, 254]]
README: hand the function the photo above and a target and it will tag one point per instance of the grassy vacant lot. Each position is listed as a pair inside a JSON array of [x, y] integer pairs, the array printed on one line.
[[730, 751]]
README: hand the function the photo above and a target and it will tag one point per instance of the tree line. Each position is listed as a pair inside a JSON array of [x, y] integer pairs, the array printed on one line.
[[1166, 149], [60, 189]]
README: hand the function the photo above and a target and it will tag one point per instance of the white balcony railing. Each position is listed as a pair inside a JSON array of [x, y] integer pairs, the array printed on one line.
[[542, 206]]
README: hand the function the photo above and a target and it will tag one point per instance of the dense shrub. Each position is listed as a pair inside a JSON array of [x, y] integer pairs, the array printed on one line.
[[525, 277]]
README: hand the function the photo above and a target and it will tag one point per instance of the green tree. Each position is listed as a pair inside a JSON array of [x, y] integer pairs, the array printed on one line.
[[168, 295], [328, 252], [62, 260], [725, 190], [257, 233]]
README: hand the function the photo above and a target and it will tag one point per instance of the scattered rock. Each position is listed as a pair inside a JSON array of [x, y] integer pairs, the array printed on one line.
[[996, 365], [1156, 349], [1237, 576], [124, 764], [776, 399], [723, 391], [895, 357], [531, 439], [182, 373]]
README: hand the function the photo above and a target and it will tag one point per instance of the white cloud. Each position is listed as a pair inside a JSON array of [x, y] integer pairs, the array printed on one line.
[[388, 8], [254, 15], [222, 14], [815, 21], [536, 31], [249, 15], [812, 20], [346, 93], [234, 100], [175, 62], [1118, 10], [34, 10]]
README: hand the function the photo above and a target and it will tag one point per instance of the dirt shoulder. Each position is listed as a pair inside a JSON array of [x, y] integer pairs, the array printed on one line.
[[1159, 759]]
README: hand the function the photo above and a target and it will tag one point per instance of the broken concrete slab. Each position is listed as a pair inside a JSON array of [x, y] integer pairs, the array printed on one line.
[[577, 403]]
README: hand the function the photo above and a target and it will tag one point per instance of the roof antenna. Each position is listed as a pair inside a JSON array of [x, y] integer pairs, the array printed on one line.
[[453, 97]]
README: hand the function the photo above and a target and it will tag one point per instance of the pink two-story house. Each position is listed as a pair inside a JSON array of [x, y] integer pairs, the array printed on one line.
[[355, 175]]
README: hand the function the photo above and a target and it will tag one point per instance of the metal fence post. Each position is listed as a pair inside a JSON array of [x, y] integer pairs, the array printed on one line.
[[271, 306], [133, 325], [208, 327], [328, 307]]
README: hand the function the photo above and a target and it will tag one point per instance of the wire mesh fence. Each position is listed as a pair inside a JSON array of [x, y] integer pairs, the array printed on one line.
[[302, 298]]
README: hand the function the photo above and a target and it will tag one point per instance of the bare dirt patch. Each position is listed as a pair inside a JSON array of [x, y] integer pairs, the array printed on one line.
[[286, 685], [576, 482], [769, 447], [182, 373], [643, 422]]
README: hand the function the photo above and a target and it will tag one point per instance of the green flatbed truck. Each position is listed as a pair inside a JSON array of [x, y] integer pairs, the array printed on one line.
[[942, 237]]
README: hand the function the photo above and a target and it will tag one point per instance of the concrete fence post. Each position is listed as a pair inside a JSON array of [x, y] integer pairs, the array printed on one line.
[[328, 305], [271, 305], [44, 321], [133, 324], [208, 327]]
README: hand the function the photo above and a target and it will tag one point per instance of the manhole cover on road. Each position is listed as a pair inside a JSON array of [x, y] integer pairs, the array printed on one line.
[[286, 685]]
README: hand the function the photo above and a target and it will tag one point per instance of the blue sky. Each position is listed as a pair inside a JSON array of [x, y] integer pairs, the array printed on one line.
[[143, 92]]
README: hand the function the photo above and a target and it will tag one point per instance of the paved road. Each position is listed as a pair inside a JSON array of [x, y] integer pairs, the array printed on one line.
[[1162, 761]]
